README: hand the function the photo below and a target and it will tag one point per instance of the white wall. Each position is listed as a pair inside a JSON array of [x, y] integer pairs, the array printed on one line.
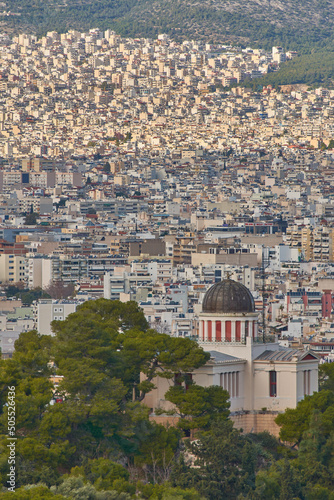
[[50, 310], [290, 383]]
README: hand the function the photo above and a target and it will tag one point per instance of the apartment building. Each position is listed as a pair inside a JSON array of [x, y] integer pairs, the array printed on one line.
[[183, 248], [48, 310], [37, 204], [159, 269], [12, 268], [317, 243]]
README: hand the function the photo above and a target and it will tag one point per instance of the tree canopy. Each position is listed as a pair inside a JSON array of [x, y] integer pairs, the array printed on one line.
[[91, 436], [98, 352]]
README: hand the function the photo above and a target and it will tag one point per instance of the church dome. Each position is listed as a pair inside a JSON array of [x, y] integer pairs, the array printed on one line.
[[228, 296]]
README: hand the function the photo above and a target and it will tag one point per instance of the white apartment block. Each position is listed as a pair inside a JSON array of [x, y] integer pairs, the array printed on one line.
[[38, 204], [72, 178], [48, 310], [159, 270], [39, 272]]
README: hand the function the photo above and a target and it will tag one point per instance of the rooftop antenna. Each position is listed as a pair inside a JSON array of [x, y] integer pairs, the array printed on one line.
[[265, 264]]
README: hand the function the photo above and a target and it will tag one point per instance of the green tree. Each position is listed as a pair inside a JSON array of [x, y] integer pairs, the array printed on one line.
[[288, 483], [224, 466], [100, 351], [31, 219], [13, 289], [198, 406], [307, 472], [76, 488], [157, 354], [326, 376], [157, 452], [121, 344], [314, 458], [267, 485], [167, 492], [105, 474], [280, 482], [106, 168], [91, 211], [60, 290], [28, 372], [32, 492], [294, 422], [27, 296]]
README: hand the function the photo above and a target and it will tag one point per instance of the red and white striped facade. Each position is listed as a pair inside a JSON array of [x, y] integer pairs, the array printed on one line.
[[227, 327]]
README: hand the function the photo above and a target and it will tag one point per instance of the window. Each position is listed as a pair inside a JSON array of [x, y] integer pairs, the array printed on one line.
[[273, 384], [238, 331], [218, 331], [228, 331], [177, 379], [188, 380]]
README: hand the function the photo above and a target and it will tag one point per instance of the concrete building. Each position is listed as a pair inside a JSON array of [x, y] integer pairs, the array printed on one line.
[[12, 268], [48, 310], [39, 272]]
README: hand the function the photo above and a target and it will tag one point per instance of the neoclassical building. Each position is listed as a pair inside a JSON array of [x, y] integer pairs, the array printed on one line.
[[261, 377]]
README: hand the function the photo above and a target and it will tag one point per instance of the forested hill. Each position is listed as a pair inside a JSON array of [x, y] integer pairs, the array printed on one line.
[[294, 24], [312, 69]]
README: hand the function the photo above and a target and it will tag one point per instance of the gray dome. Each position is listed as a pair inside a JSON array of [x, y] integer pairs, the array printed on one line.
[[228, 296]]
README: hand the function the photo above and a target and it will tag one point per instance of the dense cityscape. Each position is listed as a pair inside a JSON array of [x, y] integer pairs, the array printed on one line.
[[148, 180], [147, 172]]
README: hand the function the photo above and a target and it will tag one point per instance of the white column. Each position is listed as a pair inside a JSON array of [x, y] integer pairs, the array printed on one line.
[[223, 330], [243, 330], [233, 327], [206, 332], [256, 325], [213, 330], [233, 385], [201, 332]]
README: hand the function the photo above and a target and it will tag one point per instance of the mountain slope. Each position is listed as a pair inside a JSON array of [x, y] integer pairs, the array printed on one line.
[[294, 24]]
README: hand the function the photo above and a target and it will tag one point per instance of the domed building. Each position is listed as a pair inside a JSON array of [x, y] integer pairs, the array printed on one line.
[[262, 377], [228, 314]]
